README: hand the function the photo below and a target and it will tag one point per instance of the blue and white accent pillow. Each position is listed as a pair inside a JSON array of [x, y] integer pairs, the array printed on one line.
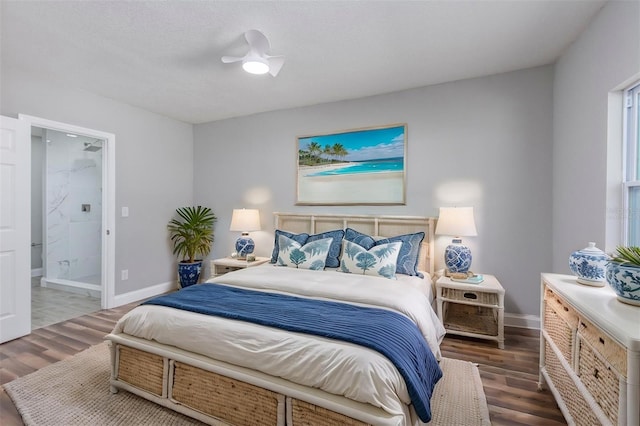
[[333, 258], [300, 238], [407, 259], [311, 255], [380, 260]]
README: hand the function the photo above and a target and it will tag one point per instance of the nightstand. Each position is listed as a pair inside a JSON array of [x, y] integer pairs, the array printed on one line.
[[474, 310], [228, 264]]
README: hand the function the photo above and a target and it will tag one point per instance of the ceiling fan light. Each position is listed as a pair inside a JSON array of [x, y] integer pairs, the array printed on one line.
[[255, 66]]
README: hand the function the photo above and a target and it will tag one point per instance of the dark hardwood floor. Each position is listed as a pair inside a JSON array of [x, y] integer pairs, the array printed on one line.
[[509, 376]]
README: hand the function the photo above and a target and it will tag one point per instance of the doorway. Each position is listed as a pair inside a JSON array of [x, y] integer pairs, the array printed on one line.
[[72, 236], [66, 225]]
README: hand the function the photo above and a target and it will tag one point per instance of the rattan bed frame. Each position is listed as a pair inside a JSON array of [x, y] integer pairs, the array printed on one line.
[[219, 393]]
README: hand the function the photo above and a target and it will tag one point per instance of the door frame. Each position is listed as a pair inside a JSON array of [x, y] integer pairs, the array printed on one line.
[[108, 197]]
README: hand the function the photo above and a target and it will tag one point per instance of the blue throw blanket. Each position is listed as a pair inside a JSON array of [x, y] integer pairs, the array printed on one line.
[[391, 334]]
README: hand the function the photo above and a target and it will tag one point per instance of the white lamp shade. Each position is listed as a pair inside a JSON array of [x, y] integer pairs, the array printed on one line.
[[456, 221], [245, 220]]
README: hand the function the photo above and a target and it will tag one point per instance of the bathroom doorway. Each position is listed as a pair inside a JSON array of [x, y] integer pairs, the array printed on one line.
[[66, 225], [72, 221]]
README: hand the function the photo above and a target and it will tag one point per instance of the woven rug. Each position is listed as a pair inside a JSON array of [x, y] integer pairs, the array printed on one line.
[[76, 392]]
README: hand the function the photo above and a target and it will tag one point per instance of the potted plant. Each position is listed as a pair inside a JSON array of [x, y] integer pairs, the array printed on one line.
[[623, 274], [192, 236]]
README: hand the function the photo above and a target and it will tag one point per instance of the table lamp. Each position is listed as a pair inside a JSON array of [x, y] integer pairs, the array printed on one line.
[[245, 220], [458, 222]]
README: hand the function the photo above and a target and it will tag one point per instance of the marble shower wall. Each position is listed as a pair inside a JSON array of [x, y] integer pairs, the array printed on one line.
[[73, 178]]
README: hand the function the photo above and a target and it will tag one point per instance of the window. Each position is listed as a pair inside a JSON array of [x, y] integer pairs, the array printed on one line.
[[632, 165]]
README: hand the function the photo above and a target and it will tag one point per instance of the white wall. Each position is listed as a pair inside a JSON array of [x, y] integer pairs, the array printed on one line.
[[154, 158], [484, 142], [585, 207]]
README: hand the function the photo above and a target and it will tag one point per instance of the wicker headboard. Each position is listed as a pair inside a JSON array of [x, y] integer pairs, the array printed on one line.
[[383, 226]]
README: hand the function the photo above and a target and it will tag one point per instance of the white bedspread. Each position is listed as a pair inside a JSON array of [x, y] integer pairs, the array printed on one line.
[[336, 367]]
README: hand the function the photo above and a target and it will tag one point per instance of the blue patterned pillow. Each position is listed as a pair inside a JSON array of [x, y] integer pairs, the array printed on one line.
[[379, 261], [333, 259], [300, 238], [359, 238], [312, 255], [407, 259]]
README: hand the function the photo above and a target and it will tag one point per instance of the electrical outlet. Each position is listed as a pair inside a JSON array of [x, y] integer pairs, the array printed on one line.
[[124, 274]]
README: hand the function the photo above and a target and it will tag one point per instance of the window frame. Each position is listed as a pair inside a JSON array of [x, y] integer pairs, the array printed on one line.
[[631, 160]]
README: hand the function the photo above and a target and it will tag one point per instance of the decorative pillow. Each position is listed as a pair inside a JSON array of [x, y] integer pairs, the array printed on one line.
[[407, 259], [380, 260], [300, 238], [359, 238], [312, 255], [333, 259]]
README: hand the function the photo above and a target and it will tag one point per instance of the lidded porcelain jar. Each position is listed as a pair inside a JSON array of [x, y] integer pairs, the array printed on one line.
[[589, 265]]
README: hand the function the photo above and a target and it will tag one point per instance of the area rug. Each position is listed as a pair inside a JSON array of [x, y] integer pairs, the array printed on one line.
[[76, 392]]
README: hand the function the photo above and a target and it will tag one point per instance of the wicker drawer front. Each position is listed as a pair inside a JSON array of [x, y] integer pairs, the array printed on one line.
[[562, 308], [560, 331], [305, 414], [141, 369], [479, 297], [609, 349], [602, 382], [576, 404], [232, 401]]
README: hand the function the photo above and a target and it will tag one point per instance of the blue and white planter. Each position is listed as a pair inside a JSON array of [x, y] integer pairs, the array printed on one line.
[[189, 273], [625, 281], [589, 265]]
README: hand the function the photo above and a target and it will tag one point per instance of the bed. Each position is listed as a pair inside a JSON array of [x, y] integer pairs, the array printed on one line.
[[223, 367]]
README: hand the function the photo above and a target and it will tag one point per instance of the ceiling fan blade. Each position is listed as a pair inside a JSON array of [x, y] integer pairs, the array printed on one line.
[[275, 63], [230, 59], [257, 41]]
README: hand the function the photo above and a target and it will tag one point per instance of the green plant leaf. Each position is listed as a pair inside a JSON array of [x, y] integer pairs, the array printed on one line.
[[627, 255], [192, 232]]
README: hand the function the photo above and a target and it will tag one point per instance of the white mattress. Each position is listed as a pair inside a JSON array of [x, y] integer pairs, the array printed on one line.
[[336, 367]]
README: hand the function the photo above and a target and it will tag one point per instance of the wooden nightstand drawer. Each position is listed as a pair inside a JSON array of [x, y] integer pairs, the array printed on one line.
[[476, 297], [228, 264], [221, 269]]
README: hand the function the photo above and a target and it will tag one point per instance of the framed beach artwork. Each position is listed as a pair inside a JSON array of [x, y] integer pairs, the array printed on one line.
[[353, 167]]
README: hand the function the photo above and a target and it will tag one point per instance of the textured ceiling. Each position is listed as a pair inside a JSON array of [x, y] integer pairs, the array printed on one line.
[[165, 56]]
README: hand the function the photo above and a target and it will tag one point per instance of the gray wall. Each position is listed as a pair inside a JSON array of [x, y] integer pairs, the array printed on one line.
[[154, 158], [484, 142], [587, 135]]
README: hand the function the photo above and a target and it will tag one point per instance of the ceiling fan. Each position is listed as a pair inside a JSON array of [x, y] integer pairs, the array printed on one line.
[[256, 61]]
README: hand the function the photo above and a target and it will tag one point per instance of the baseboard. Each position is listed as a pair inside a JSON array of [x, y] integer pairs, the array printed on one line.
[[144, 293], [37, 272], [522, 321]]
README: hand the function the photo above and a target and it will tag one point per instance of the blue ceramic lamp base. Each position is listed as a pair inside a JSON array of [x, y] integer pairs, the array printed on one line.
[[457, 257], [244, 246]]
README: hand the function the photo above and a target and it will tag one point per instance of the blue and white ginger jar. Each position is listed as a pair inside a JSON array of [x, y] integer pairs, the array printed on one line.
[[589, 265]]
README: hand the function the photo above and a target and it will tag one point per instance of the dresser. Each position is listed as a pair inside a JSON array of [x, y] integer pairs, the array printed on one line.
[[589, 352]]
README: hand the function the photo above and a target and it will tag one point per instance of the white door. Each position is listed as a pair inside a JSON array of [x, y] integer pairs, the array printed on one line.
[[15, 229]]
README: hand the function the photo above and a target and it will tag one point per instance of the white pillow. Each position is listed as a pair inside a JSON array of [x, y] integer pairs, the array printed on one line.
[[312, 255], [379, 261]]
